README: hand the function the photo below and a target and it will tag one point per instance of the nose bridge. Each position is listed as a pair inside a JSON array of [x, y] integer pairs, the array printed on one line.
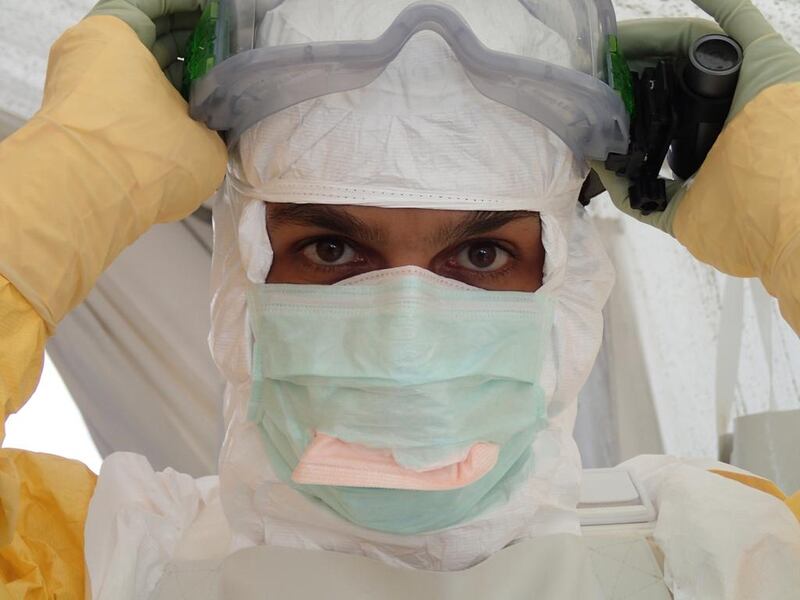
[[411, 248], [409, 257]]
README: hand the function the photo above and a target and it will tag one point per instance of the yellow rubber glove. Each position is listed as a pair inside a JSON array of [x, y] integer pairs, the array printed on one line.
[[164, 26], [740, 212], [111, 152], [768, 60]]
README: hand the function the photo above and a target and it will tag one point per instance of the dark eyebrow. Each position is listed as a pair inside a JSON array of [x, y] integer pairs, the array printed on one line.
[[479, 223], [325, 217], [334, 218]]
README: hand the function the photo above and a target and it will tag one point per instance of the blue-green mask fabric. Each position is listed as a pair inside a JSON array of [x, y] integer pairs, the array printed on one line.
[[406, 362]]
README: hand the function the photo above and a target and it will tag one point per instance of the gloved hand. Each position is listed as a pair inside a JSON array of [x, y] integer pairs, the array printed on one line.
[[768, 60], [163, 26], [111, 152]]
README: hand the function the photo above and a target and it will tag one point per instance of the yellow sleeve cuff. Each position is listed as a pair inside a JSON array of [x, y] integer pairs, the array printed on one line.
[[22, 338], [766, 486], [43, 499], [44, 555]]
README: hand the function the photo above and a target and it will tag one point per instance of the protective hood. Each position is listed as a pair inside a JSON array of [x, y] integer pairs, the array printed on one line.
[[420, 135]]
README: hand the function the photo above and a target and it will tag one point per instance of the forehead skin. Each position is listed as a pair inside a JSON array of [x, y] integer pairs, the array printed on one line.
[[408, 236]]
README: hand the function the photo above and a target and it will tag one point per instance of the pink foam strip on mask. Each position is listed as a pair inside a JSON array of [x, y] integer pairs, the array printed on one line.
[[331, 461]]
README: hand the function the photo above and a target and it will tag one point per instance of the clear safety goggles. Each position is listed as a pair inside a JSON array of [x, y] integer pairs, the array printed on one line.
[[248, 61]]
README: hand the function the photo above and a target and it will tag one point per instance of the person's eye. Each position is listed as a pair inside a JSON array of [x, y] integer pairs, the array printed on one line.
[[330, 252], [482, 256]]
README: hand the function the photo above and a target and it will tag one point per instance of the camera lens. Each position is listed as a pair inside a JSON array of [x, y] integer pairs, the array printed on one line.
[[716, 54], [714, 62]]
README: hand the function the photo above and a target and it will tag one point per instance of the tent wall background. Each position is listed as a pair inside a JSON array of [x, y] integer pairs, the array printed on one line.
[[134, 354]]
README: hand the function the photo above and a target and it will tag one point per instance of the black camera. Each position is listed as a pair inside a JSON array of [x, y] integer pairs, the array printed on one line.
[[680, 109]]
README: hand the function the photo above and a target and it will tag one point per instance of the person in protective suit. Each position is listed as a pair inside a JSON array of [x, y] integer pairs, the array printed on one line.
[[113, 151]]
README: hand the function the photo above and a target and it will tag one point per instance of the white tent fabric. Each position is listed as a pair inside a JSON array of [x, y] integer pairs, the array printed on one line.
[[654, 385], [134, 355]]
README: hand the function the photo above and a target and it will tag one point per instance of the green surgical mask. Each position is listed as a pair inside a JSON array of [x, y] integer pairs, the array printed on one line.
[[408, 364]]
